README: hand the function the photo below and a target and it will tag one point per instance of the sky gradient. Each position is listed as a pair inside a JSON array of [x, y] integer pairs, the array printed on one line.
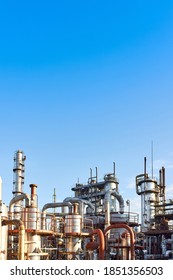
[[84, 84]]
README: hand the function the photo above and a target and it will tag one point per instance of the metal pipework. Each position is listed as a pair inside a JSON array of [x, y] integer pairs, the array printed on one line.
[[20, 225], [81, 203], [100, 235], [18, 198], [53, 205], [111, 189], [120, 200], [132, 240], [34, 202]]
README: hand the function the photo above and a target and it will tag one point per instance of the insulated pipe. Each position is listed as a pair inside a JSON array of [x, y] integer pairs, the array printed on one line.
[[81, 202], [120, 200], [19, 198], [132, 240], [20, 225], [53, 205], [56, 205], [101, 242], [107, 204]]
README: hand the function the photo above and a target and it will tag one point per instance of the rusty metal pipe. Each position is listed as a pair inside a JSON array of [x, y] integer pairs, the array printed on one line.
[[20, 225], [53, 205], [132, 240], [101, 242]]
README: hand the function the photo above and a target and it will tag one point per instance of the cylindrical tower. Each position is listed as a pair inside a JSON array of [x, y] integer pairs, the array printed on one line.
[[111, 185], [32, 222], [148, 189], [73, 230], [18, 180]]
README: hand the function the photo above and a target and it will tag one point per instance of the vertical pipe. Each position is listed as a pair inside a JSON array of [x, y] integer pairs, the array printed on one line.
[[114, 168], [91, 174], [96, 175], [145, 167], [160, 186], [132, 240], [21, 241], [33, 195], [160, 177], [163, 176], [101, 242], [163, 180], [21, 251], [75, 208]]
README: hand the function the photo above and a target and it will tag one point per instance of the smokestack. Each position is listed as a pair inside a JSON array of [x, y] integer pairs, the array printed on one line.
[[33, 195]]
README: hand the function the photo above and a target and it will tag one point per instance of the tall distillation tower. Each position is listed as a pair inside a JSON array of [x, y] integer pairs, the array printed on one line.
[[18, 180]]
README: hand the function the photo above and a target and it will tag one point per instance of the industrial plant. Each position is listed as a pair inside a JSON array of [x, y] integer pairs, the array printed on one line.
[[90, 225]]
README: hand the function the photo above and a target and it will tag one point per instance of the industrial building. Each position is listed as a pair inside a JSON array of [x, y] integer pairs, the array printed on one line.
[[91, 225]]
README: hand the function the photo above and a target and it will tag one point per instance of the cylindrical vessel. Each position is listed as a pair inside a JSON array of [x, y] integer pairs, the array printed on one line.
[[33, 246], [73, 224], [73, 246], [18, 170], [149, 196], [32, 221], [31, 218], [18, 181]]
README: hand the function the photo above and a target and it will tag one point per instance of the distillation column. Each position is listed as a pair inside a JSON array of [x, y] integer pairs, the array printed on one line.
[[18, 180], [148, 189]]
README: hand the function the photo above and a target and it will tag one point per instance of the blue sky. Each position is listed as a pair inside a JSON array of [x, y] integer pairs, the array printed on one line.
[[84, 84]]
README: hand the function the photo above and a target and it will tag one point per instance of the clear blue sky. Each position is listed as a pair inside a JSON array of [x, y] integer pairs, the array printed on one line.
[[83, 84]]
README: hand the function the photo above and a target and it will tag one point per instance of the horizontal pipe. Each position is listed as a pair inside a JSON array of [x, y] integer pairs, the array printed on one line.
[[53, 205], [79, 200], [56, 205]]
